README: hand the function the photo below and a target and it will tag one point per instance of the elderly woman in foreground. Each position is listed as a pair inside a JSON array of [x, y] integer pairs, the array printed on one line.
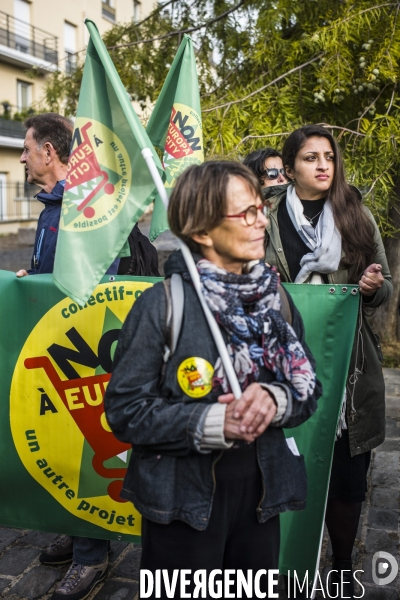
[[210, 474]]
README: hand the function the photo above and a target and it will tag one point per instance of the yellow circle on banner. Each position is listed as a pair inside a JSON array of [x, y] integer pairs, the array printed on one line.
[[98, 177], [183, 143], [56, 407], [195, 376]]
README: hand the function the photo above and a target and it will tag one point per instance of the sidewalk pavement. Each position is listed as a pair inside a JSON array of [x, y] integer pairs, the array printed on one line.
[[22, 576]]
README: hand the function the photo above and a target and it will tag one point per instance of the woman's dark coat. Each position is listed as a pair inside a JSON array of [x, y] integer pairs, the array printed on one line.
[[366, 416], [169, 475]]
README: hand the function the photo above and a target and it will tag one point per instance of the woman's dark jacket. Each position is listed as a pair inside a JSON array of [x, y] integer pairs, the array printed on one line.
[[366, 418], [169, 475]]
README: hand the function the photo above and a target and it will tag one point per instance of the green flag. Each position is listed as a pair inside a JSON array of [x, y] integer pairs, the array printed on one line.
[[108, 184], [330, 316], [175, 126]]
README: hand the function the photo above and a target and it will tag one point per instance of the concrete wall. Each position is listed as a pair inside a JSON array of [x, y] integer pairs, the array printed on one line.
[[9, 164], [8, 84]]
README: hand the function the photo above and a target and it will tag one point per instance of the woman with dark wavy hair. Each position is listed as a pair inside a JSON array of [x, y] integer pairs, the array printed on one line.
[[320, 232], [267, 166]]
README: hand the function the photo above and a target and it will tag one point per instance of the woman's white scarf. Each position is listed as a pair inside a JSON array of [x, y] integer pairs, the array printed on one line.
[[324, 241]]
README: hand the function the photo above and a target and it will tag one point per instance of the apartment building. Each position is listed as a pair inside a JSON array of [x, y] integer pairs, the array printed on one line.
[[44, 35]]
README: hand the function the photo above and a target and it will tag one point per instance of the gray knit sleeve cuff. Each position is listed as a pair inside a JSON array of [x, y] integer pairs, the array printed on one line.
[[213, 429], [280, 397]]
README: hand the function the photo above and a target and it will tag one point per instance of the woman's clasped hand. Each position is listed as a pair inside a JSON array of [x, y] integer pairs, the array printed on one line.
[[248, 417], [371, 280]]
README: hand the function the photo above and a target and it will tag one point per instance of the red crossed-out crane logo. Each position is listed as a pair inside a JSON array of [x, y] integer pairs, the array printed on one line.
[[57, 414], [98, 177]]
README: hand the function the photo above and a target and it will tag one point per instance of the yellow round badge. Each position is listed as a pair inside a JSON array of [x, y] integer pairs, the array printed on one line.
[[195, 376]]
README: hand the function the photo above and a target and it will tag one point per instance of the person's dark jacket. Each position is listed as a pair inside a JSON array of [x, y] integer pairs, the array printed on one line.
[[44, 249], [47, 230], [170, 476], [143, 260], [366, 391]]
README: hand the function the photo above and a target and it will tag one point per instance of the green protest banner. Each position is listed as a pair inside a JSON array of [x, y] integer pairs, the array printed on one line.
[[63, 466], [175, 126], [330, 314], [108, 184]]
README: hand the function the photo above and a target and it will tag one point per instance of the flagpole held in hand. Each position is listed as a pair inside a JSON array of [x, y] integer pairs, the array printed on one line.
[[187, 255]]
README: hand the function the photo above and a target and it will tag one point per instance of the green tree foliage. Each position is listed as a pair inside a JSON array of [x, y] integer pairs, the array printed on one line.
[[267, 67]]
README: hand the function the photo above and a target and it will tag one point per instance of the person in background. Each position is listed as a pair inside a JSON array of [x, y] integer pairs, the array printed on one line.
[[320, 232], [267, 166], [45, 156], [143, 260], [210, 474]]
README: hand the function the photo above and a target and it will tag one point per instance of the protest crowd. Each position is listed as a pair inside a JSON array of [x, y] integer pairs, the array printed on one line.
[[213, 465]]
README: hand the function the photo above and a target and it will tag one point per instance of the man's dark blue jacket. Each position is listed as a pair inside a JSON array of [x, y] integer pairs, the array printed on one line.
[[47, 230]]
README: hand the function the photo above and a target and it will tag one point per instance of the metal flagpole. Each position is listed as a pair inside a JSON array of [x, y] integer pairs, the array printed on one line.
[[187, 255]]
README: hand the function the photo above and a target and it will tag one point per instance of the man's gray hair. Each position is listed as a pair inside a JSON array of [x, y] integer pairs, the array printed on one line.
[[53, 128]]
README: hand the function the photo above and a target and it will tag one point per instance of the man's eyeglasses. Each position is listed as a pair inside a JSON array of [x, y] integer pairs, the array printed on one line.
[[250, 214], [274, 173]]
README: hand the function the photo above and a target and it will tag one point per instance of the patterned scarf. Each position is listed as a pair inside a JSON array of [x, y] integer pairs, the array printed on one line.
[[259, 336]]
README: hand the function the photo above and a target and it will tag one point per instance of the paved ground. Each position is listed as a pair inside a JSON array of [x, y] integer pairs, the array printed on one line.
[[23, 578]]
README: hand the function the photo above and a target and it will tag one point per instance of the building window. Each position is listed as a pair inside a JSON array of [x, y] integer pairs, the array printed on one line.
[[22, 26], [137, 7], [24, 95], [70, 47], [108, 10]]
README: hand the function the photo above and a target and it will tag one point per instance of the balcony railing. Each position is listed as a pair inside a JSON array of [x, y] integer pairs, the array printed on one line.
[[27, 39], [11, 120], [12, 129], [17, 202]]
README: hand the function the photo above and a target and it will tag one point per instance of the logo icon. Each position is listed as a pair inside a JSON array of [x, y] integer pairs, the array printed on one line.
[[384, 568], [183, 144], [195, 377], [94, 193]]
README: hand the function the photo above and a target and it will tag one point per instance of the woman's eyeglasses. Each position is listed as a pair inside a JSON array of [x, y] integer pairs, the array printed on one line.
[[274, 173], [250, 214]]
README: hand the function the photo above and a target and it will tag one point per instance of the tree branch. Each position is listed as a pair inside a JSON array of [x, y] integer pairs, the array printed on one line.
[[265, 86], [255, 137], [327, 126], [370, 106], [269, 135], [391, 100], [182, 31], [362, 12], [377, 179], [155, 11]]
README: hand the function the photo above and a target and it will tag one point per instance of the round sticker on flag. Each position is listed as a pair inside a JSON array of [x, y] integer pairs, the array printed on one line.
[[184, 142], [195, 376], [94, 193]]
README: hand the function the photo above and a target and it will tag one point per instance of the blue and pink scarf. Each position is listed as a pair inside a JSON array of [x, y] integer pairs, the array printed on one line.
[[248, 308]]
